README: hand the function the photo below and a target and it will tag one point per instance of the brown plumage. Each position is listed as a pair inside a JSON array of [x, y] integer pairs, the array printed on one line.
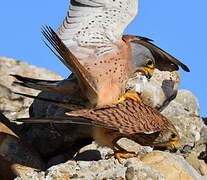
[[130, 119], [110, 71], [91, 45]]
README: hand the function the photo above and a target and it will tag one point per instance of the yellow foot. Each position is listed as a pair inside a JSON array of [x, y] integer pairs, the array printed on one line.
[[130, 95], [121, 99], [125, 155]]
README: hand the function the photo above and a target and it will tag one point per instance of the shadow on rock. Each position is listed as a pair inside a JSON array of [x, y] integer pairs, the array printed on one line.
[[89, 155]]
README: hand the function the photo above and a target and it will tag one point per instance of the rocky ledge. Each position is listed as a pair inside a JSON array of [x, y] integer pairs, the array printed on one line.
[[44, 151]]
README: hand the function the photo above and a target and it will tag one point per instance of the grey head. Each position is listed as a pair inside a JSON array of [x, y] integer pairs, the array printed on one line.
[[140, 54], [163, 60]]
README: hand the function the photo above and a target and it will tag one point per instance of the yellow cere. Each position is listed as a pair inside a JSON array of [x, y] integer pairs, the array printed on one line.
[[174, 144], [148, 70]]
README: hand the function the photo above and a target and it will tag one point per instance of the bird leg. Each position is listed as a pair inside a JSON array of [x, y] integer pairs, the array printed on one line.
[[125, 155], [130, 95], [120, 152]]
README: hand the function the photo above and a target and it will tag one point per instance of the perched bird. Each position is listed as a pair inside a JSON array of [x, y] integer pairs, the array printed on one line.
[[131, 119]]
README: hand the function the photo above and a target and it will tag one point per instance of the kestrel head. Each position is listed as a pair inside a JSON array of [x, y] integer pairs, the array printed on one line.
[[147, 60], [145, 67], [142, 58], [168, 138]]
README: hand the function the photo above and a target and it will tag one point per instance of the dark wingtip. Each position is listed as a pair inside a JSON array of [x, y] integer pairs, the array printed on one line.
[[185, 68], [144, 38]]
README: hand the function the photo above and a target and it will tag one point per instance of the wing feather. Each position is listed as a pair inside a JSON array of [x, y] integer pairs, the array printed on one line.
[[128, 117], [96, 24], [85, 80]]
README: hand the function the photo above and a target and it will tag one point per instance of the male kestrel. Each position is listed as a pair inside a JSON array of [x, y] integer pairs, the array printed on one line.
[[104, 59], [130, 119], [100, 57], [156, 91]]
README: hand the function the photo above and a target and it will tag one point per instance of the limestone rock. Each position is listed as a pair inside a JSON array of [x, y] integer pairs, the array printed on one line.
[[185, 104], [16, 156], [156, 165], [183, 111], [57, 144], [171, 166], [12, 105], [199, 165], [103, 169]]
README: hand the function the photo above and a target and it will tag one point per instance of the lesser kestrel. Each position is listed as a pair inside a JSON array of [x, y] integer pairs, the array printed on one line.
[[130, 119]]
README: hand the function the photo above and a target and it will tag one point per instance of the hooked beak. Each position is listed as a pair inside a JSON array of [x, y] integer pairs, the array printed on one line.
[[148, 72], [174, 146]]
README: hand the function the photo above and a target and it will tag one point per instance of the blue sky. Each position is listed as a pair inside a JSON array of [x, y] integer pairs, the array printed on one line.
[[179, 27]]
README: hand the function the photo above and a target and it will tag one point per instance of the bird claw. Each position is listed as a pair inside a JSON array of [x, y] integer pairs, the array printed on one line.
[[125, 155], [130, 95]]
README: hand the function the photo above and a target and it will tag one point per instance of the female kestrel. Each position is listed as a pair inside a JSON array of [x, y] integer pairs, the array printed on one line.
[[130, 119]]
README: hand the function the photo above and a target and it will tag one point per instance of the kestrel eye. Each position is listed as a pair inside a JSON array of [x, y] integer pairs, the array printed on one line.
[[173, 136], [149, 63]]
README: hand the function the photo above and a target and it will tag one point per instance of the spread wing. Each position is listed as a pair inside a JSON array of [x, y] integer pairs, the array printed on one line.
[[96, 24], [39, 84], [85, 80], [128, 117], [67, 87]]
